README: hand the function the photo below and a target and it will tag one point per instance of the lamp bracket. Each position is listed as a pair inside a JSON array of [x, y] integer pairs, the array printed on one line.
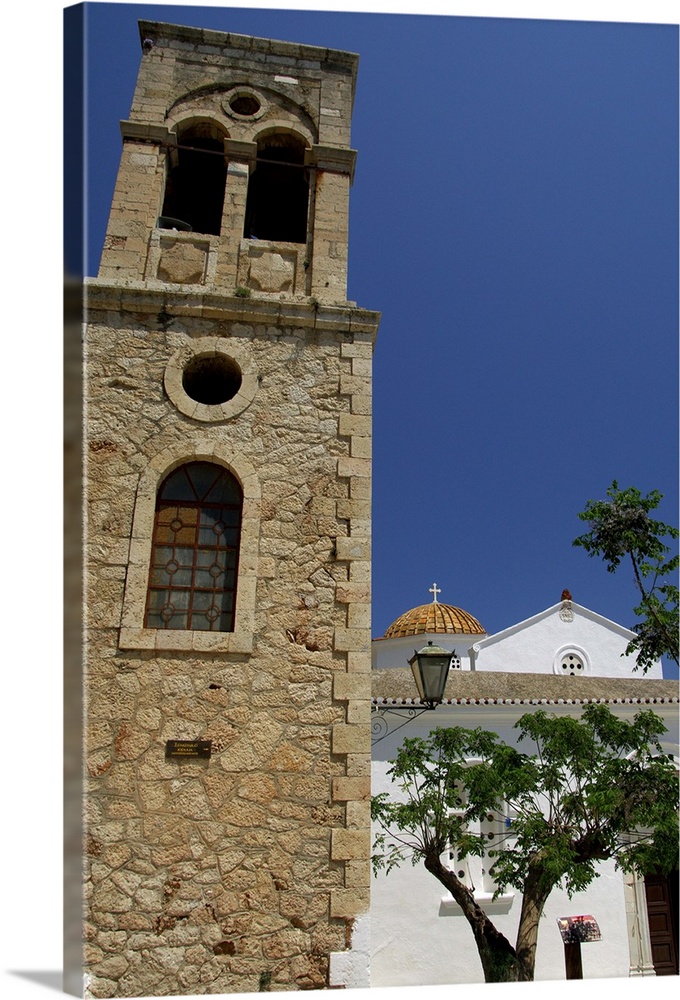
[[380, 726]]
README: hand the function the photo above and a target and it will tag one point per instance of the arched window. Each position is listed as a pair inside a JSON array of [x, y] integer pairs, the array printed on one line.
[[278, 191], [194, 557], [194, 190]]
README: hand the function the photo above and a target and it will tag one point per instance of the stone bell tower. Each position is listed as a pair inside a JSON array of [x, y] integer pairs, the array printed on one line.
[[227, 498]]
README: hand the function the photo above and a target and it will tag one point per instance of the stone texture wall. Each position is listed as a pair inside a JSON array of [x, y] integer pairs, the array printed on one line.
[[246, 870]]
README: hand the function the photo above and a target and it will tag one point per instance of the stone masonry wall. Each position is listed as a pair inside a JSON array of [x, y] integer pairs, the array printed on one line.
[[245, 871]]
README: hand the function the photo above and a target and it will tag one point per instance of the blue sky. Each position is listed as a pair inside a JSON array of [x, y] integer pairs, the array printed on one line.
[[514, 218]]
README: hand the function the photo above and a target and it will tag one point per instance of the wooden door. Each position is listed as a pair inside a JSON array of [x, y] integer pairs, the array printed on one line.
[[662, 910]]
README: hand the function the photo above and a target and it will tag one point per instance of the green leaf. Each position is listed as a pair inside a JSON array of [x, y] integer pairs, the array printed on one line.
[[621, 528]]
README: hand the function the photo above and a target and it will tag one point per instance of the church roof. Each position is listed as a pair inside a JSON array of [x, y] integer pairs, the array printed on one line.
[[396, 686], [434, 617], [556, 609]]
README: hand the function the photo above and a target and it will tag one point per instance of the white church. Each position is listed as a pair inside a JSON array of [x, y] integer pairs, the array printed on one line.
[[559, 660]]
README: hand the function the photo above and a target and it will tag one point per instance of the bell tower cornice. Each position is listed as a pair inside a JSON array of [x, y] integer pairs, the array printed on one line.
[[345, 320]]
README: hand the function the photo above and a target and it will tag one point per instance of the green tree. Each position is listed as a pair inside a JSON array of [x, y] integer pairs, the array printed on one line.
[[592, 789], [621, 529]]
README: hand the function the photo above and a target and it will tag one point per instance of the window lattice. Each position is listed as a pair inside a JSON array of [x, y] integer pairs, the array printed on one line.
[[194, 561]]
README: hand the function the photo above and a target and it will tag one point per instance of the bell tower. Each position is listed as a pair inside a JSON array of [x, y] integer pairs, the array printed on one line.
[[237, 186], [228, 522]]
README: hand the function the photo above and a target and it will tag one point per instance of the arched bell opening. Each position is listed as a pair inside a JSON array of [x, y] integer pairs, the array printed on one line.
[[194, 190], [278, 191]]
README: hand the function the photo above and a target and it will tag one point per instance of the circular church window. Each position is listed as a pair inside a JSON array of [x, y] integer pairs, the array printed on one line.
[[211, 379], [244, 104], [571, 662]]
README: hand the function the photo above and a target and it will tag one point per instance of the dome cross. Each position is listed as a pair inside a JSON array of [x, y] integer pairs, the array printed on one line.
[[434, 590]]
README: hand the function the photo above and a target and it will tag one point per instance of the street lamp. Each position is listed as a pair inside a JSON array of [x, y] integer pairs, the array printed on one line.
[[430, 666]]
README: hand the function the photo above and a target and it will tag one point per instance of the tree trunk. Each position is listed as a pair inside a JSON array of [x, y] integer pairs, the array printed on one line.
[[498, 957], [535, 895]]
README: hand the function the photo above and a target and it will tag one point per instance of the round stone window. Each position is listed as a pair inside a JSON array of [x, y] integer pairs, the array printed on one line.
[[244, 104], [211, 379]]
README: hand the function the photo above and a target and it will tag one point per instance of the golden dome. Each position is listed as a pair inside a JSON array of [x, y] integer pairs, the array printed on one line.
[[434, 617]]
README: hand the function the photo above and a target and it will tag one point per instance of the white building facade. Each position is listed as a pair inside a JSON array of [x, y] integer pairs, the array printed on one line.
[[559, 660]]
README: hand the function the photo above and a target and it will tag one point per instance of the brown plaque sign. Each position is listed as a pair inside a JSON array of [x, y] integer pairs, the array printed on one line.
[[187, 749]]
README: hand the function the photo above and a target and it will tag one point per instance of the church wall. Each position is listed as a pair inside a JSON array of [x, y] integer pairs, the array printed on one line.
[[536, 647], [387, 653], [419, 935], [211, 874]]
